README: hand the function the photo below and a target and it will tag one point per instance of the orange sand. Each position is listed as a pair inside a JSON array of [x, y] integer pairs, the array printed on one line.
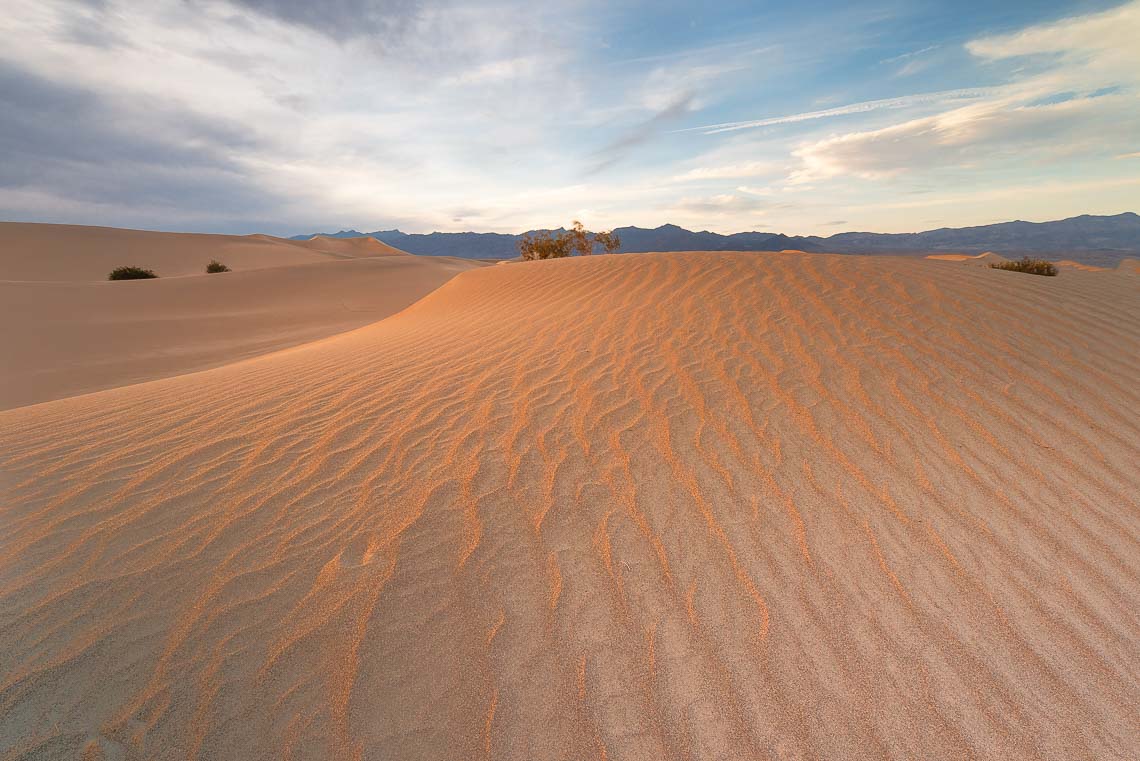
[[687, 506], [82, 336], [349, 247], [31, 251]]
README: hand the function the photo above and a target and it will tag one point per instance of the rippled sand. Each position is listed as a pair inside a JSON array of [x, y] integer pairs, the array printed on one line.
[[684, 506]]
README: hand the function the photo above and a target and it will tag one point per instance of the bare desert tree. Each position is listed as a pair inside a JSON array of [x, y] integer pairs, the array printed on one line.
[[609, 241], [544, 244]]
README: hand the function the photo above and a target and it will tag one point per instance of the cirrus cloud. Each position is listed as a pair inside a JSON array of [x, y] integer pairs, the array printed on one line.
[[1083, 102]]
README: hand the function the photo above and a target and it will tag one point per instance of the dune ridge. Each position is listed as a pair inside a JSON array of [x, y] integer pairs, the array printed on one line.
[[353, 247], [985, 259], [1069, 263], [700, 505], [32, 251], [79, 337]]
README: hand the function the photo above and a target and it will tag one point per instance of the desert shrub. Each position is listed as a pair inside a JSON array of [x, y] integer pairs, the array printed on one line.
[[1032, 266], [547, 245], [544, 245], [216, 266], [609, 241], [131, 273]]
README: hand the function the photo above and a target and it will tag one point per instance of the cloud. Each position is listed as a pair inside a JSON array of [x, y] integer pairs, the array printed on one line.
[[972, 136], [911, 54], [912, 62], [725, 204], [504, 70], [905, 101], [1082, 102], [65, 143], [624, 144], [341, 19], [231, 114], [1109, 36], [731, 171], [276, 117]]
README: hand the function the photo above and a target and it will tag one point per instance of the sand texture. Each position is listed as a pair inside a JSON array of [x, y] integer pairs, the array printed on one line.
[[87, 336], [349, 247], [982, 260], [30, 251], [1069, 263], [679, 506]]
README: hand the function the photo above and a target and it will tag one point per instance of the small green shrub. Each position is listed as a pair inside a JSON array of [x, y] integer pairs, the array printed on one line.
[[131, 273], [1032, 266], [216, 266]]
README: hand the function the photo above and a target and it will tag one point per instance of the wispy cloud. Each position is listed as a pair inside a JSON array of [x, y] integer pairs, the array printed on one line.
[[905, 101], [273, 115], [971, 137], [1049, 114], [640, 134], [911, 54], [731, 171]]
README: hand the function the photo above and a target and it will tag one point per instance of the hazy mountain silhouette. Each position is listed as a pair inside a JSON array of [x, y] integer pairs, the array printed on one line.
[[1087, 238]]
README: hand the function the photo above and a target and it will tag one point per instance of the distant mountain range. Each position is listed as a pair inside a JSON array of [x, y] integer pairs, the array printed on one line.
[[1100, 240]]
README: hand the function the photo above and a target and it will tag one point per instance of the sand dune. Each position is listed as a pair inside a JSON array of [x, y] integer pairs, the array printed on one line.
[[1070, 264], [88, 336], [989, 257], [74, 252], [352, 247], [690, 506], [984, 259], [79, 333]]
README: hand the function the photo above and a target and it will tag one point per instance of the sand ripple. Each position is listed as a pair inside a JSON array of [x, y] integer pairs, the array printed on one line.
[[657, 506]]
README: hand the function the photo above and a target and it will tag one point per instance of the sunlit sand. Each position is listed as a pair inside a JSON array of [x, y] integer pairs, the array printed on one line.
[[71, 332], [688, 505]]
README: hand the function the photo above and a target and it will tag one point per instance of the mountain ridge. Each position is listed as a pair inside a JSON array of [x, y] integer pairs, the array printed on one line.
[[1088, 238]]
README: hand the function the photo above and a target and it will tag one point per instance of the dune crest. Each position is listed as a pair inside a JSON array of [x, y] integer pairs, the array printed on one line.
[[701, 505], [353, 247], [42, 252], [45, 252], [92, 336], [986, 258], [1079, 266]]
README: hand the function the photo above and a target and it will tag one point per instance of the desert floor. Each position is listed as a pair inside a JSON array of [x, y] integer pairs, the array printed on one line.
[[690, 506]]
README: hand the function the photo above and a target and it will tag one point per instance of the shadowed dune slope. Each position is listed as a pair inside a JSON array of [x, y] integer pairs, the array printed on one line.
[[30, 251], [639, 507], [86, 336]]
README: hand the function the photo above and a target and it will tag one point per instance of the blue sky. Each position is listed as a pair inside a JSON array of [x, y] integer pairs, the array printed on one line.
[[808, 118]]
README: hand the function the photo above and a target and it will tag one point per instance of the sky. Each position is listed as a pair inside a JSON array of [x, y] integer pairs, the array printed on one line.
[[289, 116]]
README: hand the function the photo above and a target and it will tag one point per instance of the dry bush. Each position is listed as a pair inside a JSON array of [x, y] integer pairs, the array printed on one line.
[[131, 273], [216, 266], [547, 245], [1032, 266], [544, 245]]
